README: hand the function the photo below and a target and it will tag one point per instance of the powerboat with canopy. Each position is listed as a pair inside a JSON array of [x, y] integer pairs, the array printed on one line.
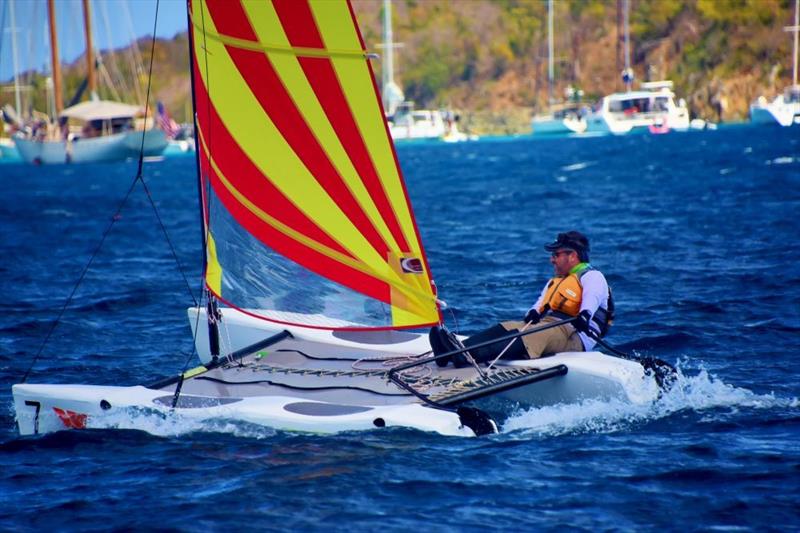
[[314, 269]]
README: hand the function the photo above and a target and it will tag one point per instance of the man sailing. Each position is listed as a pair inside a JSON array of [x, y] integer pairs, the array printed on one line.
[[576, 291]]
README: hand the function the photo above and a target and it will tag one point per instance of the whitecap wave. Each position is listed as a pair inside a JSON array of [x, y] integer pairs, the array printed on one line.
[[577, 166], [786, 160], [698, 393]]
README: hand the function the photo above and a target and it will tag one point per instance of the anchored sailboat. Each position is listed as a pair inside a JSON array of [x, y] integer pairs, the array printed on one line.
[[107, 131], [562, 118], [405, 122], [785, 108], [311, 247], [652, 107]]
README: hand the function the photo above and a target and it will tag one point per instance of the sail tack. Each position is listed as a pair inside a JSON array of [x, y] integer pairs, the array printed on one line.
[[307, 215]]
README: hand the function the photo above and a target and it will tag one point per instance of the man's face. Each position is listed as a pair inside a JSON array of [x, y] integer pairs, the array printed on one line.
[[563, 260]]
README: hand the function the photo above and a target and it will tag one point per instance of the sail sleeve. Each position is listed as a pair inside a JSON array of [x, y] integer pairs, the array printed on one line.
[[305, 205]]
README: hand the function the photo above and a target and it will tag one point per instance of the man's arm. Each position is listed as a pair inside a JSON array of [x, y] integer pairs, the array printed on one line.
[[595, 291]]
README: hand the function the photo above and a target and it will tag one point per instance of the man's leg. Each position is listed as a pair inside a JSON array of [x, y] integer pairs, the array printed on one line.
[[563, 338]]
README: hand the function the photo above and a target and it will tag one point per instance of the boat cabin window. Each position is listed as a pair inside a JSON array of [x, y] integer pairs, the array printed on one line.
[[96, 128], [661, 104], [630, 106]]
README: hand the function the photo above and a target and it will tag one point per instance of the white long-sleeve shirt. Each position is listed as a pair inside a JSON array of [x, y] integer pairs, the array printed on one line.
[[595, 295]]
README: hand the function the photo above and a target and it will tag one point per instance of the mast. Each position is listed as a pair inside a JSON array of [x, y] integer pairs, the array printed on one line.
[[387, 73], [213, 314], [51, 17], [796, 30], [550, 68], [627, 76], [87, 28], [391, 94], [18, 108]]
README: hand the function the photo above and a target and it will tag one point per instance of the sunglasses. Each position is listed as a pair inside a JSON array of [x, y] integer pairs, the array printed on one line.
[[556, 254]]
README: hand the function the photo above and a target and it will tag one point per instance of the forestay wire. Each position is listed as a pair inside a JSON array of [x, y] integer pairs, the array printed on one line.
[[138, 178]]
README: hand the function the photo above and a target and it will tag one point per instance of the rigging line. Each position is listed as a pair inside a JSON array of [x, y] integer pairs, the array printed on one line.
[[179, 385], [80, 278], [141, 160], [147, 98]]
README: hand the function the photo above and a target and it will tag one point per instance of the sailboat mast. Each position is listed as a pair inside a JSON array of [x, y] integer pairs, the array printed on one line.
[[388, 60], [213, 314], [51, 17], [626, 23], [17, 103], [87, 28], [796, 30], [550, 69]]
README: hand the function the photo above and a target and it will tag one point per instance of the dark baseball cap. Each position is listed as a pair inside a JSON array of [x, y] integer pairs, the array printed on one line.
[[573, 240]]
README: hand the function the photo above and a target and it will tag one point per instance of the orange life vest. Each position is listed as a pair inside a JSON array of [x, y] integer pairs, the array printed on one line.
[[564, 295]]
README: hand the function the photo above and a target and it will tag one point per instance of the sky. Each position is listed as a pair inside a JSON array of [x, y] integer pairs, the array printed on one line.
[[115, 24]]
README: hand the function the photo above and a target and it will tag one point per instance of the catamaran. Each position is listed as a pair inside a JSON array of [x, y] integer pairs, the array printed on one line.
[[785, 108], [652, 108], [315, 274]]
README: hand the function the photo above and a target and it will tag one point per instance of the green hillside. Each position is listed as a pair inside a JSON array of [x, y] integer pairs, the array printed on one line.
[[488, 58]]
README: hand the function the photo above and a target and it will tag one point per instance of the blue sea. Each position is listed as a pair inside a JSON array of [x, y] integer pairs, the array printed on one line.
[[696, 232]]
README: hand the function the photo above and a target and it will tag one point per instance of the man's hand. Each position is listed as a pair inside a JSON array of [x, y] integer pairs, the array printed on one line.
[[582, 322], [532, 316]]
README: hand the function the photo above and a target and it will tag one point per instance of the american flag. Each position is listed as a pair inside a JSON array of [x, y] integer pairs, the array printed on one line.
[[164, 121]]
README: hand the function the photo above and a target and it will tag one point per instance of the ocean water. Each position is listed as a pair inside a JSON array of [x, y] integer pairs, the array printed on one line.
[[696, 232]]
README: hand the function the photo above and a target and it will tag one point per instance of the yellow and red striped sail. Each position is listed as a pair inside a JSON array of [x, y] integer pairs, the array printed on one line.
[[307, 217]]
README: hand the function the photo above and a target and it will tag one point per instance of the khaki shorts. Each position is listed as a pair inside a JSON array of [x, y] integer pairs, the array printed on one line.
[[559, 339]]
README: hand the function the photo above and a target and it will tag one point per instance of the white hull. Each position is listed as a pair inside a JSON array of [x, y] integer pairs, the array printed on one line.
[[8, 152], [427, 124], [49, 408], [776, 112], [116, 147], [618, 124]]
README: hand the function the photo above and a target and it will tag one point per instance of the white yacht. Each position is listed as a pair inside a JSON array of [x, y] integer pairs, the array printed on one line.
[[785, 108], [652, 107], [409, 123]]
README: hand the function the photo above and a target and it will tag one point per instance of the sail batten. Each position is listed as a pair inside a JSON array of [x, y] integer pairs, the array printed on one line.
[[306, 210]]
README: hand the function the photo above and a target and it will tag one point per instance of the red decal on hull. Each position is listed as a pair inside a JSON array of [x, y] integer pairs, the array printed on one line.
[[71, 419]]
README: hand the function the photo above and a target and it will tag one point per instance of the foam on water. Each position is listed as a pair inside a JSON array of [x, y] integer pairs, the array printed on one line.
[[168, 423], [577, 166], [698, 393]]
